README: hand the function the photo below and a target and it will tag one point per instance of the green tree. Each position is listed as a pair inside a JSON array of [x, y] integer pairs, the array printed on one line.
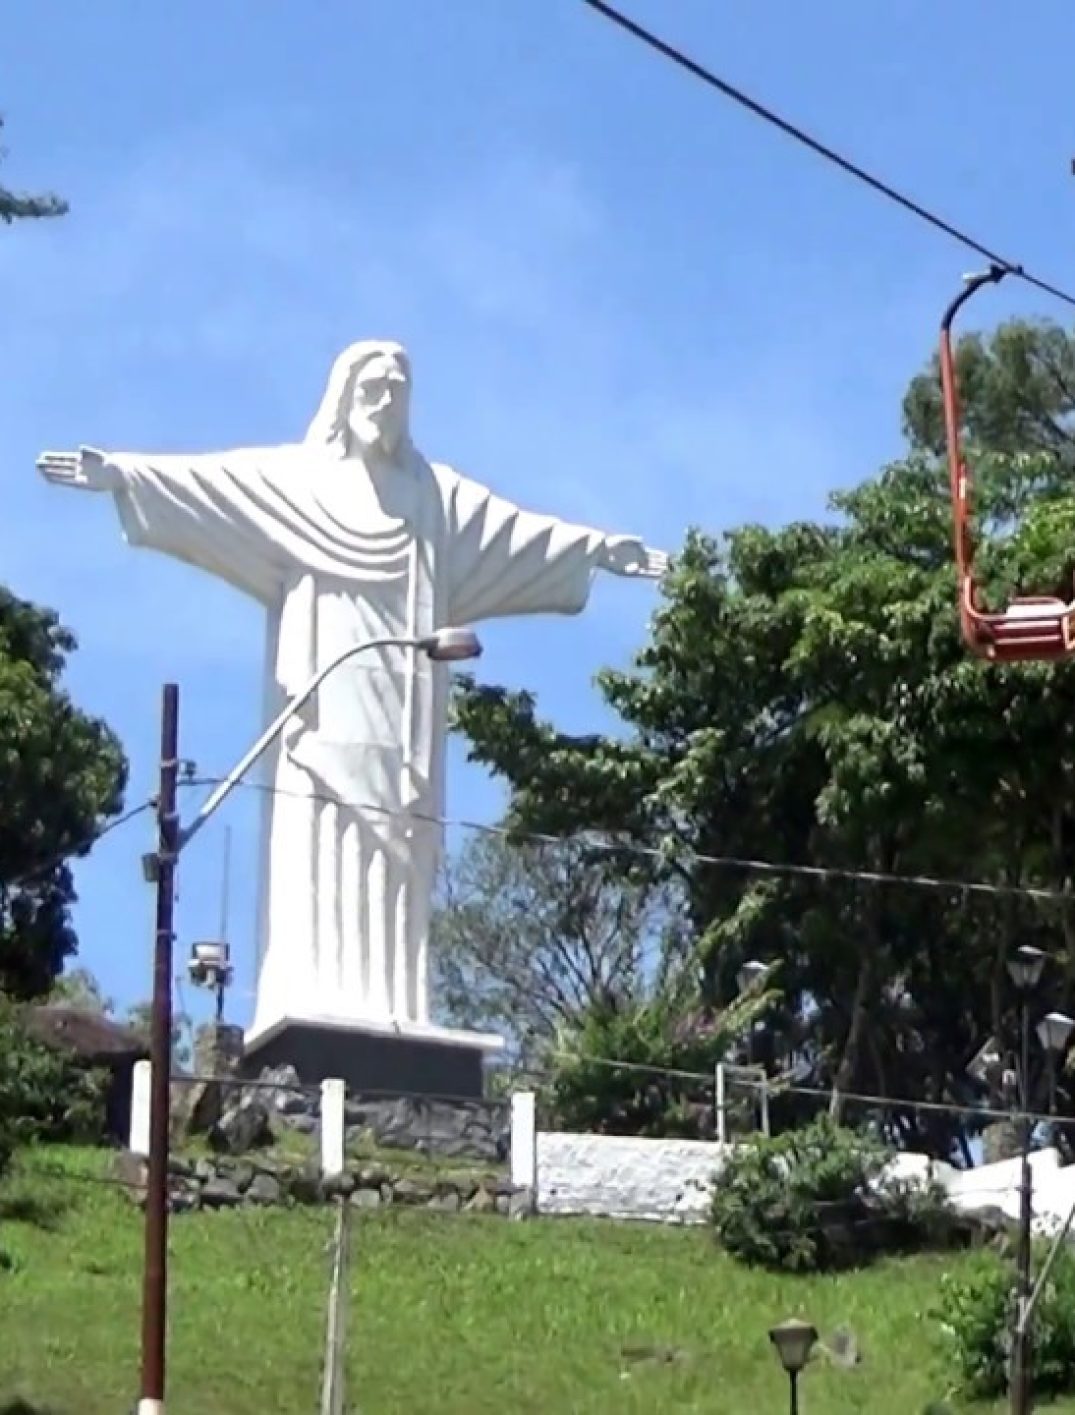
[[804, 696], [77, 987], [44, 1094], [16, 206], [62, 775], [528, 936], [140, 1019]]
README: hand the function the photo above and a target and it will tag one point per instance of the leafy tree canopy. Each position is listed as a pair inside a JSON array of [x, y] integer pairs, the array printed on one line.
[[19, 206], [62, 776], [804, 697]]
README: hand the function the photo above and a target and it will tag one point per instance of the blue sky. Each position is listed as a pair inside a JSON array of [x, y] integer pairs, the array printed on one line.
[[627, 302]]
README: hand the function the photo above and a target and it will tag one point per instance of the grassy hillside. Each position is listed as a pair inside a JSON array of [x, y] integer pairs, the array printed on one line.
[[451, 1315]]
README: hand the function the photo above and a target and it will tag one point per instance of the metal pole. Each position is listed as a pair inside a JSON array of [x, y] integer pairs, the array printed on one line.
[[1020, 1392], [334, 1375], [1047, 1267], [224, 788], [793, 1377], [155, 1272]]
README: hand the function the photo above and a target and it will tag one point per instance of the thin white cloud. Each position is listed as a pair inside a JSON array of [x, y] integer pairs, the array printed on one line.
[[197, 300]]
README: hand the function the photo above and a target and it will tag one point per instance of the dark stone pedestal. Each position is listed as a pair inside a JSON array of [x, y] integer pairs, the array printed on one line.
[[405, 1062]]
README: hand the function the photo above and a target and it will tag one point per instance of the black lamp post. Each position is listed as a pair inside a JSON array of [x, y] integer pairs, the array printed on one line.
[[794, 1341], [747, 979], [1025, 969]]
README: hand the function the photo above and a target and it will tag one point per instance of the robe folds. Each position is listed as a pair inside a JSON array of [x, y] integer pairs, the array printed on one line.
[[339, 553]]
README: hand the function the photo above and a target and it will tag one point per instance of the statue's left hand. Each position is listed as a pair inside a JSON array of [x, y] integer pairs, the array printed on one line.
[[626, 555]]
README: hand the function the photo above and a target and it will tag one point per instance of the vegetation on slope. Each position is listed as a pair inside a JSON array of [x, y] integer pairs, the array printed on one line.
[[450, 1315]]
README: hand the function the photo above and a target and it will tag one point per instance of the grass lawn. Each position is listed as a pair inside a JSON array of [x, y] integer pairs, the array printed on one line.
[[450, 1315]]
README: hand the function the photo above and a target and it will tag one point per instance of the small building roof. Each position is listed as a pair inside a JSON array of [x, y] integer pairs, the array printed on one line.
[[91, 1035]]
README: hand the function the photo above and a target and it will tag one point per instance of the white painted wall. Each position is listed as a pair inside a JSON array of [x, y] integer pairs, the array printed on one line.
[[670, 1181], [611, 1176], [996, 1186]]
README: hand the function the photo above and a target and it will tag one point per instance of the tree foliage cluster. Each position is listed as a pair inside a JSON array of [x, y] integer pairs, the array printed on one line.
[[45, 1094], [804, 698], [62, 775], [973, 1314], [22, 206], [62, 771]]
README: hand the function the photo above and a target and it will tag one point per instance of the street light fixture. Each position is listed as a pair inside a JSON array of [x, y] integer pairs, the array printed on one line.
[[451, 645], [1054, 1032], [750, 973], [210, 967], [1025, 968], [209, 964], [794, 1340]]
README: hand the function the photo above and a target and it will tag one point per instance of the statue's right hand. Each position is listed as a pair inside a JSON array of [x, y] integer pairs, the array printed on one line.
[[87, 469]]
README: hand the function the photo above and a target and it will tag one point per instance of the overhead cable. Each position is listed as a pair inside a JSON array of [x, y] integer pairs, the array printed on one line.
[[800, 135], [746, 864]]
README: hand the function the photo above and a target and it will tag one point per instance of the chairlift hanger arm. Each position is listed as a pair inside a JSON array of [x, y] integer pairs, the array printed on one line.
[[971, 285]]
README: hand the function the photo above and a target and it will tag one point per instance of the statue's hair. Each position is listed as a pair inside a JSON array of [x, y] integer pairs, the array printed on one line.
[[329, 425]]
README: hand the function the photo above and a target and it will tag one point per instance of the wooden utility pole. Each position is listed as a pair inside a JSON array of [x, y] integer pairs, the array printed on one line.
[[155, 1272]]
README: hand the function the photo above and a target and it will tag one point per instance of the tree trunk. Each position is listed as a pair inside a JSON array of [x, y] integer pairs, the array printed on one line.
[[860, 1016]]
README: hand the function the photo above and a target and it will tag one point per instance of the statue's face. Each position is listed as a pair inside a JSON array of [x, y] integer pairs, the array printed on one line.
[[381, 404]]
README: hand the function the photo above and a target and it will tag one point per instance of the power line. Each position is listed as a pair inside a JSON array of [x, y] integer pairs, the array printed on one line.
[[800, 135], [775, 1086], [746, 864], [80, 847]]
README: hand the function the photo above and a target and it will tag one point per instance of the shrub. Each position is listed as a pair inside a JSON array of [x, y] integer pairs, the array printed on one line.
[[44, 1094], [817, 1198], [767, 1198], [974, 1312]]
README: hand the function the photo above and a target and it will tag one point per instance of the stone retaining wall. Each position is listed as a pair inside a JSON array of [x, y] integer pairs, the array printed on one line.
[[260, 1181], [246, 1117]]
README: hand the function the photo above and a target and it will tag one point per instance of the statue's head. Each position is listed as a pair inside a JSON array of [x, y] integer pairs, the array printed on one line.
[[366, 406]]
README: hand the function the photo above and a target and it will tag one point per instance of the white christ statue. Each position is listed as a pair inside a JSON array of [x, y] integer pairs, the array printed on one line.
[[347, 536]]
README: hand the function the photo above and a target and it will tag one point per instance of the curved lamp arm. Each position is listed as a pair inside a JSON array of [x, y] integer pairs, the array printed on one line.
[[442, 646]]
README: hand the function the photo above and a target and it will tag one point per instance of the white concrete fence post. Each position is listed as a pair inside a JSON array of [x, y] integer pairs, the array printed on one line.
[[333, 1094], [524, 1143], [138, 1142], [721, 1105]]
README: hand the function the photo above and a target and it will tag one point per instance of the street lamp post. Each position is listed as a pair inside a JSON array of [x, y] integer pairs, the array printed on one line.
[[1024, 968], [1054, 1032], [444, 645], [793, 1340], [750, 976]]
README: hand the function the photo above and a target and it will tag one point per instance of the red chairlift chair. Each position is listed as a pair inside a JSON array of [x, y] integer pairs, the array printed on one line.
[[1033, 628]]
